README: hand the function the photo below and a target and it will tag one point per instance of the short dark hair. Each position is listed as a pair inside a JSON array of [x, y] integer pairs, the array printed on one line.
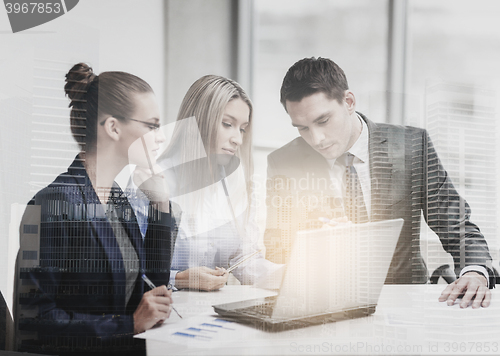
[[313, 75]]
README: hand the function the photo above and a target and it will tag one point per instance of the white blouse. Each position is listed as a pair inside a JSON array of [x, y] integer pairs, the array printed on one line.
[[210, 236]]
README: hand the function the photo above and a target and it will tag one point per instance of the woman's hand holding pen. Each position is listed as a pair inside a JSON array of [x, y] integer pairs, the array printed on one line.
[[221, 269], [201, 278], [153, 185], [154, 309]]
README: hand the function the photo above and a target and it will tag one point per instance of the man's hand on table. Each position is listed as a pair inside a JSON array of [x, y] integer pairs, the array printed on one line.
[[473, 286]]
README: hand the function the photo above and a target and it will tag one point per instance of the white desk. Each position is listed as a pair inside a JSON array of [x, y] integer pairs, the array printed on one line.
[[409, 320]]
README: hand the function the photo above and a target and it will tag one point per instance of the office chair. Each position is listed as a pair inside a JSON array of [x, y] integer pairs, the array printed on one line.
[[444, 271]]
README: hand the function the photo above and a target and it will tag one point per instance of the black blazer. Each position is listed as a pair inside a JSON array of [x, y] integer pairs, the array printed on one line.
[[80, 278], [407, 178]]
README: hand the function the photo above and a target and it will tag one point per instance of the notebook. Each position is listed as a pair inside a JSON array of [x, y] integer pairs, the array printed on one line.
[[333, 274]]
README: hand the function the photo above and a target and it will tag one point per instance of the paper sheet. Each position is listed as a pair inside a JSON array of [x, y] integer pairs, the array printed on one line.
[[202, 331]]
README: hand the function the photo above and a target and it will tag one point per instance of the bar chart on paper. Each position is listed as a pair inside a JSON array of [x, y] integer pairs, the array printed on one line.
[[204, 331]]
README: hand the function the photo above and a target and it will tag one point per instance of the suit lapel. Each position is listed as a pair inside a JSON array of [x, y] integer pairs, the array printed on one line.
[[131, 225], [103, 230], [387, 170]]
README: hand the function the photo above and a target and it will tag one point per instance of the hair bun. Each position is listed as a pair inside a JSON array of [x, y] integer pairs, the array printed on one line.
[[78, 80]]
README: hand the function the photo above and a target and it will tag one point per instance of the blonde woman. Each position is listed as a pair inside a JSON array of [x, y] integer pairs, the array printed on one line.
[[208, 166]]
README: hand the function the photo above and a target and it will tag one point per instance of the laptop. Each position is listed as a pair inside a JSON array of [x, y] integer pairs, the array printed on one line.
[[333, 274]]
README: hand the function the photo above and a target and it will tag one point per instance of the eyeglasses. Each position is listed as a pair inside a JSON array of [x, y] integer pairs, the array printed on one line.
[[152, 126]]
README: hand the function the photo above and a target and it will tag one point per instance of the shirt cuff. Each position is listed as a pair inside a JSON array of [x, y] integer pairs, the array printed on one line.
[[172, 279], [478, 269]]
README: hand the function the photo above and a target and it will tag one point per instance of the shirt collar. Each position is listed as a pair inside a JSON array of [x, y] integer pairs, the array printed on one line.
[[360, 148]]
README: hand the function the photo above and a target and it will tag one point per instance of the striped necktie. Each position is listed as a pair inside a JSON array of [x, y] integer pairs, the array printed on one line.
[[354, 201]]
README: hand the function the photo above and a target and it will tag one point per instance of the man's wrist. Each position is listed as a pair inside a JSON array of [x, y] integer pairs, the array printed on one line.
[[479, 270], [479, 274]]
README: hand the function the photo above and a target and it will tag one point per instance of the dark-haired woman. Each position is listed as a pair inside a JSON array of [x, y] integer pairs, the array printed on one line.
[[88, 289]]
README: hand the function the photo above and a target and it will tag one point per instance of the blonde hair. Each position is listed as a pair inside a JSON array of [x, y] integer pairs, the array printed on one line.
[[206, 101]]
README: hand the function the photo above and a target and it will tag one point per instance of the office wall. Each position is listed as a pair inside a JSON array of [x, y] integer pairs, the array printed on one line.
[[198, 41]]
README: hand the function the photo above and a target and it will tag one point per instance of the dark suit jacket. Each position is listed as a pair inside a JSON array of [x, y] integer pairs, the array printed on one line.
[[80, 278], [407, 179]]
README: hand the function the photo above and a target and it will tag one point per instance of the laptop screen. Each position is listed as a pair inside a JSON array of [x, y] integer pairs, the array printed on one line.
[[338, 268]]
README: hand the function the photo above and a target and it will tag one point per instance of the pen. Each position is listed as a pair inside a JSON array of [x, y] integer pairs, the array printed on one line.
[[152, 286], [236, 265]]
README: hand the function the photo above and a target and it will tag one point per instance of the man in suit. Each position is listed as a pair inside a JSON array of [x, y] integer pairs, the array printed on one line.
[[346, 167]]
